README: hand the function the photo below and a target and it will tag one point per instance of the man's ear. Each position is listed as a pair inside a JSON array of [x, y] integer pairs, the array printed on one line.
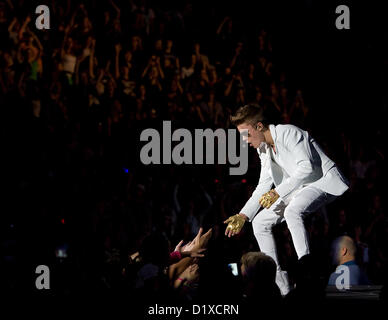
[[259, 126]]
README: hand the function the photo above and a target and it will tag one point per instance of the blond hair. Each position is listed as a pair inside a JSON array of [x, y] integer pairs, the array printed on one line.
[[250, 114]]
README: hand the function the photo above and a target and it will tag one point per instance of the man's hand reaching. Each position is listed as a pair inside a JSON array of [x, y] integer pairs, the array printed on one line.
[[235, 224]]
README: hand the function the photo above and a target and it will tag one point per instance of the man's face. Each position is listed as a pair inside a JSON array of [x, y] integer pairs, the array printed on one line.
[[254, 138]]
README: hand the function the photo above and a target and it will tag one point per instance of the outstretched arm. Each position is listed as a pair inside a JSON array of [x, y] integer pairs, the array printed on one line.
[[12, 24], [236, 222], [91, 59], [229, 87], [145, 71], [265, 183], [36, 40], [219, 29], [23, 27], [117, 61], [177, 268], [117, 9], [10, 4]]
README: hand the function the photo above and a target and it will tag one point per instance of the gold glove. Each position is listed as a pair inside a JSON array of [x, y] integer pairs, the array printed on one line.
[[267, 199], [235, 223]]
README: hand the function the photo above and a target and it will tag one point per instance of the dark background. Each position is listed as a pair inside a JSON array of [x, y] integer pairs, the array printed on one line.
[[343, 75]]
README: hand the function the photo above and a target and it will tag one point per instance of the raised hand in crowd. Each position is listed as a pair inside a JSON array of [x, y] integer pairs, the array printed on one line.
[[190, 275]]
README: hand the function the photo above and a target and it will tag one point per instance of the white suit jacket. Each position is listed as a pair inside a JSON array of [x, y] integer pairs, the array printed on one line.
[[301, 163]]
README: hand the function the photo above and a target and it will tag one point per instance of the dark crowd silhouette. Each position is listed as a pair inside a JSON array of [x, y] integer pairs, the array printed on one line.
[[74, 101]]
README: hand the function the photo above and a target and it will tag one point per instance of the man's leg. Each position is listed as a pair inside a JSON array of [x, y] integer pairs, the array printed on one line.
[[308, 199], [262, 228]]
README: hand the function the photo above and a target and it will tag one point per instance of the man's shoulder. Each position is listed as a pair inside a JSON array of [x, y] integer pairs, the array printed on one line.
[[286, 127], [284, 130]]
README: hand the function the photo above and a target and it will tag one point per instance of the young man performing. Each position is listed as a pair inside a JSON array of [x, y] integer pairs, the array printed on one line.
[[304, 178]]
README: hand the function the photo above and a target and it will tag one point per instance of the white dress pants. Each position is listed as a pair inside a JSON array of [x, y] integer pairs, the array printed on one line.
[[304, 200]]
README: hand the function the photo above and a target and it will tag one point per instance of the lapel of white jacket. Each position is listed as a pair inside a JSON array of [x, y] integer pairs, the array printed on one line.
[[265, 156], [275, 169]]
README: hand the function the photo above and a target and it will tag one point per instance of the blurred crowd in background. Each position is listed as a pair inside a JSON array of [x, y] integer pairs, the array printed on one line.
[[74, 100]]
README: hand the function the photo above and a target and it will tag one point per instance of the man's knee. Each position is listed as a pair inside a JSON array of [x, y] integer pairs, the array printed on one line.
[[261, 228], [292, 212], [261, 225]]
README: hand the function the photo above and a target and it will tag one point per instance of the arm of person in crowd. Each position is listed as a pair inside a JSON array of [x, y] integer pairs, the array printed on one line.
[[194, 252], [71, 25], [205, 77], [193, 62], [117, 60], [91, 59], [39, 44], [239, 80], [189, 275], [10, 4], [132, 5], [23, 27], [80, 8], [177, 268], [229, 87], [67, 32], [198, 245], [205, 63], [67, 8], [199, 242], [161, 73], [199, 113], [107, 72], [101, 74], [178, 82], [159, 85], [113, 81], [63, 47], [19, 54], [83, 9], [233, 62], [12, 24], [276, 104], [219, 29], [145, 71], [78, 63], [134, 256], [117, 9]]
